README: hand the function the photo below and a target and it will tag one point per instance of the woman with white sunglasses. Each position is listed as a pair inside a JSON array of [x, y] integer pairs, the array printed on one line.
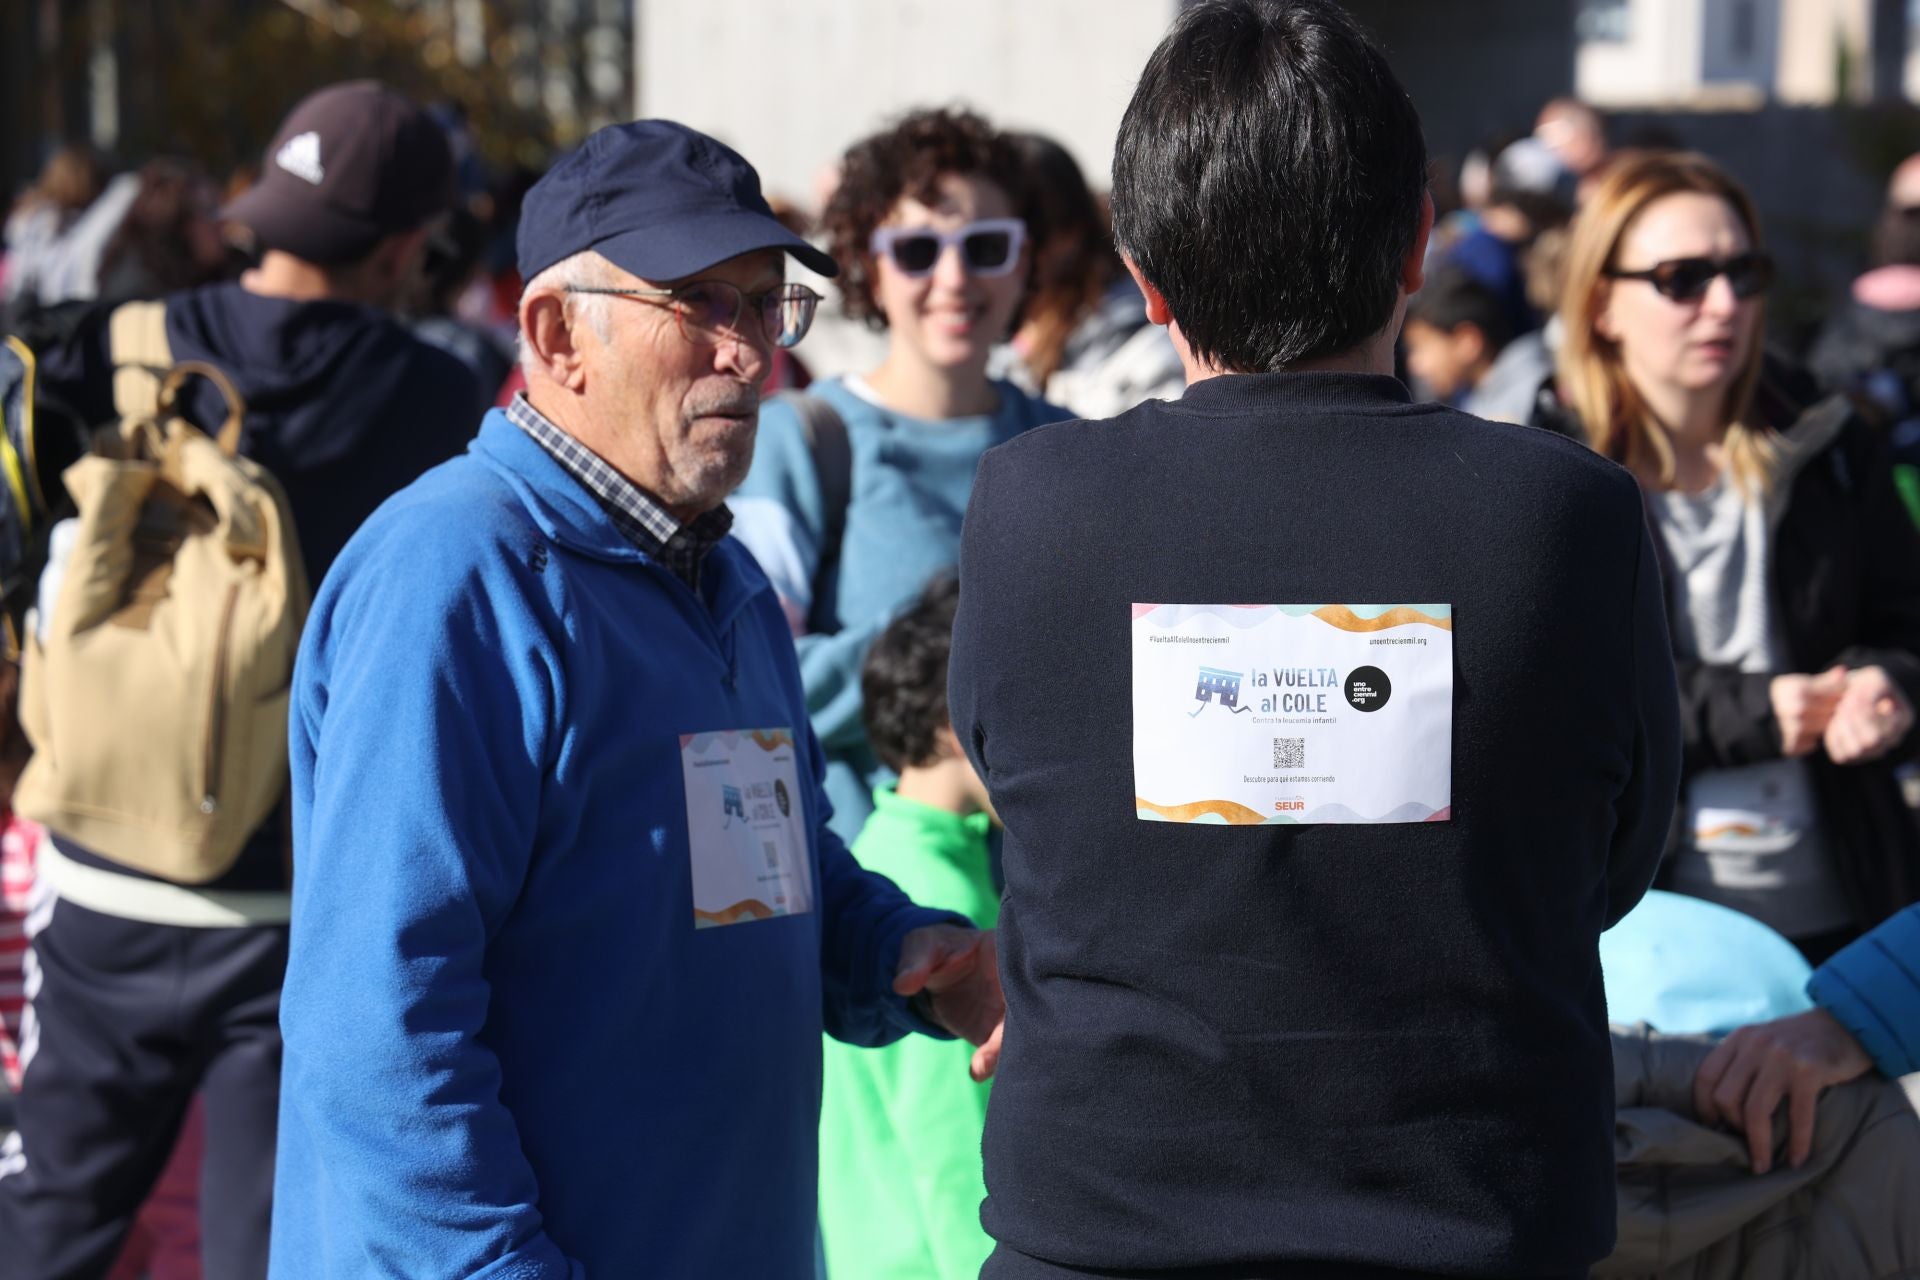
[[931, 225], [1792, 572]]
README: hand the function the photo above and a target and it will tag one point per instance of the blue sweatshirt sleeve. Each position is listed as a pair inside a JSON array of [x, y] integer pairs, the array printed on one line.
[[864, 919], [1872, 987], [424, 700]]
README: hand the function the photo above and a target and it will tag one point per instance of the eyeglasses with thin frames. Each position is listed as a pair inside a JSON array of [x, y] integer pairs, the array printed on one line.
[[706, 310]]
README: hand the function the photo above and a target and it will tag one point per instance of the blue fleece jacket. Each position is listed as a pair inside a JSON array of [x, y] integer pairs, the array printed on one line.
[[509, 1052], [911, 481], [1873, 989]]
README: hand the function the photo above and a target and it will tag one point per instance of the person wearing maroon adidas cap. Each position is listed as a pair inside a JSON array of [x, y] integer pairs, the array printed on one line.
[[148, 991]]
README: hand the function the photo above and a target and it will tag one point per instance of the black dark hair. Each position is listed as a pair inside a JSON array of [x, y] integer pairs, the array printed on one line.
[[1452, 297], [1268, 180], [903, 683]]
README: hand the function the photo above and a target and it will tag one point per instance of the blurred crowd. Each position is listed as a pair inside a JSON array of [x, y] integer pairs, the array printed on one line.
[[1610, 293]]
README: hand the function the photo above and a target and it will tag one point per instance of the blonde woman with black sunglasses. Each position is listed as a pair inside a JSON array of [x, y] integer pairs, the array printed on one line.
[[1792, 572]]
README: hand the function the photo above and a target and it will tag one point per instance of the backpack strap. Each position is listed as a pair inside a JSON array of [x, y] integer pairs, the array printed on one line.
[[832, 450], [141, 355]]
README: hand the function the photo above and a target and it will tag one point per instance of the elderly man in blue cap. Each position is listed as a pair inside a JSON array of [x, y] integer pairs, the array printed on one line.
[[568, 919]]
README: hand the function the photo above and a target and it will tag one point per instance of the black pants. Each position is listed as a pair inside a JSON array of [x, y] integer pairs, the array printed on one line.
[[133, 1019]]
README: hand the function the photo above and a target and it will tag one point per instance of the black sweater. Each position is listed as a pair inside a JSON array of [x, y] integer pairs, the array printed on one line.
[[1380, 1045]]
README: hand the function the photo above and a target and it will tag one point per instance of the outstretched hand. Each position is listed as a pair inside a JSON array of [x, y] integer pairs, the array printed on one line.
[[958, 970], [1743, 1080]]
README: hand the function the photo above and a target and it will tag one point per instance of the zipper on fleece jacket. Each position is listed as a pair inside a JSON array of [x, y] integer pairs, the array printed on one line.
[[723, 643]]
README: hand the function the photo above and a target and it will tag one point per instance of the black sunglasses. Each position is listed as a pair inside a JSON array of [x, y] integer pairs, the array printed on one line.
[[1688, 279]]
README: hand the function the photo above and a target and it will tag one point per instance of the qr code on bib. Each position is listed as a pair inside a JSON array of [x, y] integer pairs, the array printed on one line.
[[1289, 753]]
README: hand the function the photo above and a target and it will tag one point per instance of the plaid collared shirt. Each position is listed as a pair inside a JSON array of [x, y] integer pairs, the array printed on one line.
[[682, 548]]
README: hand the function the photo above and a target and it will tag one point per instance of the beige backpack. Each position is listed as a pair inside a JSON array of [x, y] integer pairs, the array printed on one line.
[[157, 702]]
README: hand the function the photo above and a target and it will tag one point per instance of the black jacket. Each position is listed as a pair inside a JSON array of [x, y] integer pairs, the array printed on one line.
[[1266, 1049], [344, 405], [1846, 586], [1861, 346]]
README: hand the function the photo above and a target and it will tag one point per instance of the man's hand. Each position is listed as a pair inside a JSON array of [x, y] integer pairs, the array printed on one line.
[[960, 974], [1804, 705], [1870, 719], [1743, 1080]]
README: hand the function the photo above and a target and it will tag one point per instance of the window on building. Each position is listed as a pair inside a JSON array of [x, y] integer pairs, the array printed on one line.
[[1745, 33], [1603, 20]]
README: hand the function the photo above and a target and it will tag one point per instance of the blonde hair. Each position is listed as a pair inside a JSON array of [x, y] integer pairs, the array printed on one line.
[[1593, 380]]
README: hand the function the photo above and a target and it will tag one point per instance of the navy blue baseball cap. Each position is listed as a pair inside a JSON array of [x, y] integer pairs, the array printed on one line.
[[655, 198]]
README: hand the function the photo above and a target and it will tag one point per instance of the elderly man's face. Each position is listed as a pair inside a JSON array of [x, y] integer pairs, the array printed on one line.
[[683, 402]]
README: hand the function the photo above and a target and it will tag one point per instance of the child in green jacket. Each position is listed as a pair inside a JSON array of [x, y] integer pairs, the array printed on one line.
[[900, 1183]]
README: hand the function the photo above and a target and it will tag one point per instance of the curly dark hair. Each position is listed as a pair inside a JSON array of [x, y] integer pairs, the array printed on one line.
[[907, 161], [903, 683]]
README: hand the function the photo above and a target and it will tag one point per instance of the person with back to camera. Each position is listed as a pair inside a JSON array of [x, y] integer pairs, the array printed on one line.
[[1303, 898], [1793, 573], [344, 408], [933, 220]]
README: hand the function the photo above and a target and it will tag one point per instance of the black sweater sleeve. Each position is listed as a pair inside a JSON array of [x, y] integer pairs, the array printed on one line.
[[1644, 810], [1726, 716]]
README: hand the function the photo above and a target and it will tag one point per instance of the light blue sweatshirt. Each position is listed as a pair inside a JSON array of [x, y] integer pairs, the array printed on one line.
[[509, 1051], [912, 478]]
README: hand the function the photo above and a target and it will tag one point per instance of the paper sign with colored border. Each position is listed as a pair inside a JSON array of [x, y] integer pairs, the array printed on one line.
[[1250, 715], [746, 827]]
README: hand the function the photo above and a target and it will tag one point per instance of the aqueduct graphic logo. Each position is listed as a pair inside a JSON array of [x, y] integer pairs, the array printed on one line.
[[1215, 684]]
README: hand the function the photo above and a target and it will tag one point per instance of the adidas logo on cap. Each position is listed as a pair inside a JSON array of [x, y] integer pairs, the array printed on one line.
[[300, 156]]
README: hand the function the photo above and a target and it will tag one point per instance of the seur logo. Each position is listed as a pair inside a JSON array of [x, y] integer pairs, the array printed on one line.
[[300, 156]]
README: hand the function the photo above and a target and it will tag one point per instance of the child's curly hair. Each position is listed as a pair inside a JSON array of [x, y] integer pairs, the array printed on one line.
[[907, 161], [903, 682]]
